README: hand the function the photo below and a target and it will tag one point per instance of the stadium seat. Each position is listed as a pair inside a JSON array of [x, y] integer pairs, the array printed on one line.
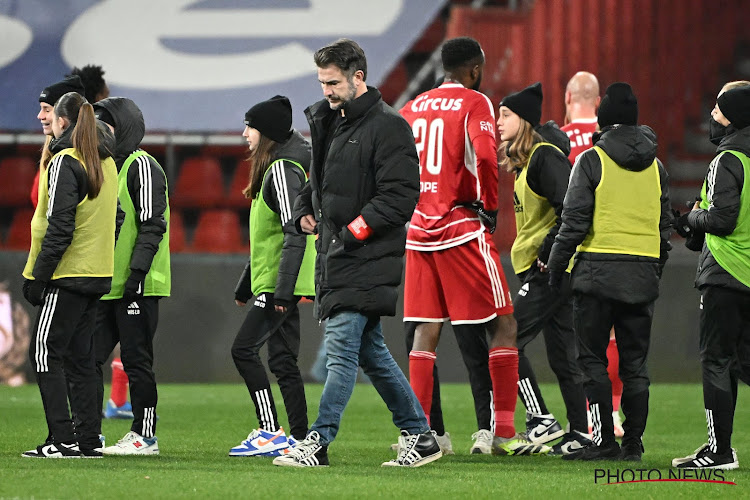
[[235, 198], [176, 232], [16, 179], [19, 232], [218, 231], [199, 184]]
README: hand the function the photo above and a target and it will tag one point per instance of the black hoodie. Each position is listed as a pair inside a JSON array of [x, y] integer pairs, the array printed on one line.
[[70, 187], [728, 177], [626, 278], [147, 183]]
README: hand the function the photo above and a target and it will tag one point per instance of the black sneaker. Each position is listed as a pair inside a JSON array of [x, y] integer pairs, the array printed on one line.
[[571, 442], [307, 453], [632, 450], [542, 429], [416, 450], [91, 453], [607, 452], [704, 458], [54, 450]]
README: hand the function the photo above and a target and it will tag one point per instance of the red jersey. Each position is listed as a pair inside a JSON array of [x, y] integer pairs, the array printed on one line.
[[580, 133], [454, 129]]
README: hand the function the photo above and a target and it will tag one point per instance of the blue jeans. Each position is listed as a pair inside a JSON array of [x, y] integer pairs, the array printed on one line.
[[353, 340]]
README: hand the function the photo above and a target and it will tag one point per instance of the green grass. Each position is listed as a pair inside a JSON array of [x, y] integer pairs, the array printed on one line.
[[199, 423]]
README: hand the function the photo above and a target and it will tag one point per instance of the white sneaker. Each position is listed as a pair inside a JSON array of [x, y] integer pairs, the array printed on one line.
[[133, 444], [445, 444], [482, 442], [619, 432]]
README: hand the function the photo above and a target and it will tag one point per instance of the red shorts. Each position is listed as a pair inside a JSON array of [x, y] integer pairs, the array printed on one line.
[[463, 284]]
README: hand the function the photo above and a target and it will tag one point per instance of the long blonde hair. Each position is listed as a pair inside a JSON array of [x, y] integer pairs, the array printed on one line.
[[518, 150], [259, 159]]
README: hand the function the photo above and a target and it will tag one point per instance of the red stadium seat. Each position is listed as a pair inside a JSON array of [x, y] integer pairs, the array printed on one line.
[[177, 242], [199, 184], [16, 179], [235, 198], [19, 233], [218, 231]]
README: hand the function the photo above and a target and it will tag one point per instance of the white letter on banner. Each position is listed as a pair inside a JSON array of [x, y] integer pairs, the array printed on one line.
[[15, 38], [133, 56]]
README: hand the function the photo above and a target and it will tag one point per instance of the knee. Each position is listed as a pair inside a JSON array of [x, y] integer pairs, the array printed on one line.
[[244, 353], [283, 365]]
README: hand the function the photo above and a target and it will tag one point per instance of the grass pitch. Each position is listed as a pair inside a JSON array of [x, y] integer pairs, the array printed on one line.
[[199, 423]]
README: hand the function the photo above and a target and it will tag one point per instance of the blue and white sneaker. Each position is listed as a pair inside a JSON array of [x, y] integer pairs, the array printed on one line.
[[261, 443], [113, 411]]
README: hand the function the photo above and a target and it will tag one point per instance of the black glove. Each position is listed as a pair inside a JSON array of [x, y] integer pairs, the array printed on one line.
[[349, 241], [555, 279], [283, 302], [695, 241], [680, 224], [33, 291], [134, 285], [488, 217], [244, 290]]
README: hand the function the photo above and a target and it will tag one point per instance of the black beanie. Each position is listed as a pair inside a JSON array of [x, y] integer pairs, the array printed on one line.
[[735, 106], [272, 118], [619, 106], [526, 103], [51, 94]]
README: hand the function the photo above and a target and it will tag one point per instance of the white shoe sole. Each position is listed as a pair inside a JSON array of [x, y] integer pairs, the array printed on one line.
[[546, 438], [424, 461], [286, 462], [128, 453]]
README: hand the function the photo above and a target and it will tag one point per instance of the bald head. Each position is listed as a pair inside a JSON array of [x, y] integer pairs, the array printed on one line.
[[581, 96], [583, 87]]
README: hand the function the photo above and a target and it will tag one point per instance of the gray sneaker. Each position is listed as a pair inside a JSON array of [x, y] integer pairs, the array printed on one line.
[[482, 442], [307, 453]]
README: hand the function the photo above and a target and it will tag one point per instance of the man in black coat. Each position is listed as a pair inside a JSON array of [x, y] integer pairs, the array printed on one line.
[[364, 185]]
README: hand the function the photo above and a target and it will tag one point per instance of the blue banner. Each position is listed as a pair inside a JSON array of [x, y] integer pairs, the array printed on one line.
[[194, 65]]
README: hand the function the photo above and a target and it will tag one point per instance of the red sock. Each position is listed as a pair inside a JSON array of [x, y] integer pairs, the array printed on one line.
[[613, 367], [119, 394], [504, 374], [421, 364]]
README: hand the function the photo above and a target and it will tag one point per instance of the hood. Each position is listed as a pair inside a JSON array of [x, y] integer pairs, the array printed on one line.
[[633, 147], [737, 141], [106, 140], [295, 148], [551, 133], [129, 125]]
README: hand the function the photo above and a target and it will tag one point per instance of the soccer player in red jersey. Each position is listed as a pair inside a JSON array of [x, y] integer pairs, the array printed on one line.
[[453, 268], [581, 101]]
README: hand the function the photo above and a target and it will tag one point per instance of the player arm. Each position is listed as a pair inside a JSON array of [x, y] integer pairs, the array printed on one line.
[[67, 187], [147, 186], [578, 210], [723, 198]]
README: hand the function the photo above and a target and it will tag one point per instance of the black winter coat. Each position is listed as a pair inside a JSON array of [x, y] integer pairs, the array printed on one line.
[[370, 169], [626, 278], [70, 187], [728, 177]]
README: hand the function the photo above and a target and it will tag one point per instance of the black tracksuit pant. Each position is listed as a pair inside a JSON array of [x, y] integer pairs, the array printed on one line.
[[282, 332], [724, 330], [539, 308], [472, 342], [593, 318], [132, 324], [62, 352]]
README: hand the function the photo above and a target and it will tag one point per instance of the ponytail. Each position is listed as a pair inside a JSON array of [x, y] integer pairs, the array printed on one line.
[[86, 142]]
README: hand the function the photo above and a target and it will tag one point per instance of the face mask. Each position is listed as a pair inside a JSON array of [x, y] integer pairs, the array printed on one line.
[[716, 131]]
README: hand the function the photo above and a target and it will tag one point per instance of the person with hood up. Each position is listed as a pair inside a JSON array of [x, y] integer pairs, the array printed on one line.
[[723, 277], [616, 216], [537, 156], [281, 271], [70, 266], [129, 313]]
